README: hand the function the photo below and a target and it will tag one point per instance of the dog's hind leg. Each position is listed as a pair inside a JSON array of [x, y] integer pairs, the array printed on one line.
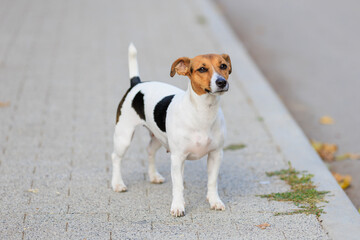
[[124, 131], [154, 145]]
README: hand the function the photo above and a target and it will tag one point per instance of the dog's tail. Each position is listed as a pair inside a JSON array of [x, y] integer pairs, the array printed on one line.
[[133, 66]]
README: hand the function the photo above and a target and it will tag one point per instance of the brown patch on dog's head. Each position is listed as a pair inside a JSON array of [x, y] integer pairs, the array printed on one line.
[[228, 60], [180, 66], [200, 70]]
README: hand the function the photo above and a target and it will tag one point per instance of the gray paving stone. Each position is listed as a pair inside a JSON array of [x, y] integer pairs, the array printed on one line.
[[64, 69], [44, 226], [11, 225]]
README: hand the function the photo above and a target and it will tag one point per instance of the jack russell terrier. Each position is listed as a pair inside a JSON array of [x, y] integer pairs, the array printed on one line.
[[189, 124]]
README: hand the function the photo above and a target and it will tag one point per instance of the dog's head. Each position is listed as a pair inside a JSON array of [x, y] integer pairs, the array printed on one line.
[[208, 73]]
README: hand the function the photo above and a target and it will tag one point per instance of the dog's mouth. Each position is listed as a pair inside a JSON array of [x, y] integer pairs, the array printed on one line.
[[220, 91]]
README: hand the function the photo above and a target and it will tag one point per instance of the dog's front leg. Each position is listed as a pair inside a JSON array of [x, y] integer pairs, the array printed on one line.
[[213, 166], [177, 170]]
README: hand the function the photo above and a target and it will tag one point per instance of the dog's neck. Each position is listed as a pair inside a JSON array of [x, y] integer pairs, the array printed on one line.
[[204, 107]]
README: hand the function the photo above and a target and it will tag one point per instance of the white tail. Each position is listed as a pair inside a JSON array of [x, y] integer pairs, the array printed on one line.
[[133, 64]]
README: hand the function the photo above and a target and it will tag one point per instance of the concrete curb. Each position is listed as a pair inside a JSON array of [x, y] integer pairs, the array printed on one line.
[[341, 220]]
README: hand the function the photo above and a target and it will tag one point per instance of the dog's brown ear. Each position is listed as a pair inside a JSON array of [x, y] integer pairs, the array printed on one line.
[[227, 59], [180, 66]]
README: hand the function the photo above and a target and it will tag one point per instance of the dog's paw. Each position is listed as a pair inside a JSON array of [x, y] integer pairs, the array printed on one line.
[[216, 204], [177, 209], [157, 178], [119, 187]]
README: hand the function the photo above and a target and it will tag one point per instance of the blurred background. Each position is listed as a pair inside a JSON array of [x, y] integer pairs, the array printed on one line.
[[309, 51]]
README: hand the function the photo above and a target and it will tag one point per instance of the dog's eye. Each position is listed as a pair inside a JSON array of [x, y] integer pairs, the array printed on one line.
[[223, 66], [202, 70]]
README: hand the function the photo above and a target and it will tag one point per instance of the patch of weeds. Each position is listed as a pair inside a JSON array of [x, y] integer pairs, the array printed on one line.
[[201, 19], [234, 147], [303, 192], [260, 119]]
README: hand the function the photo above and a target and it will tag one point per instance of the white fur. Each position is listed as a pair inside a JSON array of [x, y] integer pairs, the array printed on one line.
[[133, 64], [195, 127], [214, 88], [214, 77]]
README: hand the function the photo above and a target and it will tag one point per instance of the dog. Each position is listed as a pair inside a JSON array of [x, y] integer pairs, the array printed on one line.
[[189, 124]]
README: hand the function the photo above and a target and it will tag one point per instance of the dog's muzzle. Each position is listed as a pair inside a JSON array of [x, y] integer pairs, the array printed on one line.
[[222, 85]]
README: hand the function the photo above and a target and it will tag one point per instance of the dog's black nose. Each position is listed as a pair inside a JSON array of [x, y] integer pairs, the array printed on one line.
[[220, 82]]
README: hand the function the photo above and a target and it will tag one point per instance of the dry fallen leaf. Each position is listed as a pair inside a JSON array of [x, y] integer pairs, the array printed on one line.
[[328, 151], [343, 180], [316, 145], [346, 183], [33, 190], [326, 120], [337, 176], [342, 157], [354, 156], [325, 150], [263, 226], [4, 104]]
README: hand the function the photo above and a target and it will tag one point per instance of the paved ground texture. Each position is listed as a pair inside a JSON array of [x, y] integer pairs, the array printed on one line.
[[63, 68]]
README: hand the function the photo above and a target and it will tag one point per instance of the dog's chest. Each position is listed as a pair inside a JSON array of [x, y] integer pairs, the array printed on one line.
[[199, 145]]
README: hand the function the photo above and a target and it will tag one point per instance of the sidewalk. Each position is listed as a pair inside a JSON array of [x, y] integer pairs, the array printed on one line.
[[63, 68]]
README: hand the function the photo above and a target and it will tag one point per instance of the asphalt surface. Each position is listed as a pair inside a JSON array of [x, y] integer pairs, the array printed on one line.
[[309, 53]]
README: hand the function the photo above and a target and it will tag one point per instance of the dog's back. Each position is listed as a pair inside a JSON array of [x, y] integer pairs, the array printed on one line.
[[156, 95]]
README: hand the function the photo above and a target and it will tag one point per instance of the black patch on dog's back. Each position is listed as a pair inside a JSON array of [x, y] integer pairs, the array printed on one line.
[[134, 81], [160, 112], [138, 105]]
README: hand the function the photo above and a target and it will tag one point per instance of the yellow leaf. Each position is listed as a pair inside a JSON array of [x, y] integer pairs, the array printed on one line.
[[337, 177], [343, 180], [4, 104], [316, 145], [263, 226], [346, 182], [354, 156], [33, 190], [325, 150], [326, 120], [342, 157]]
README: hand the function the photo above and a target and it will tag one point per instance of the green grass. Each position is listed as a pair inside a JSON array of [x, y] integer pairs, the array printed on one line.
[[201, 19], [234, 147], [303, 192]]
